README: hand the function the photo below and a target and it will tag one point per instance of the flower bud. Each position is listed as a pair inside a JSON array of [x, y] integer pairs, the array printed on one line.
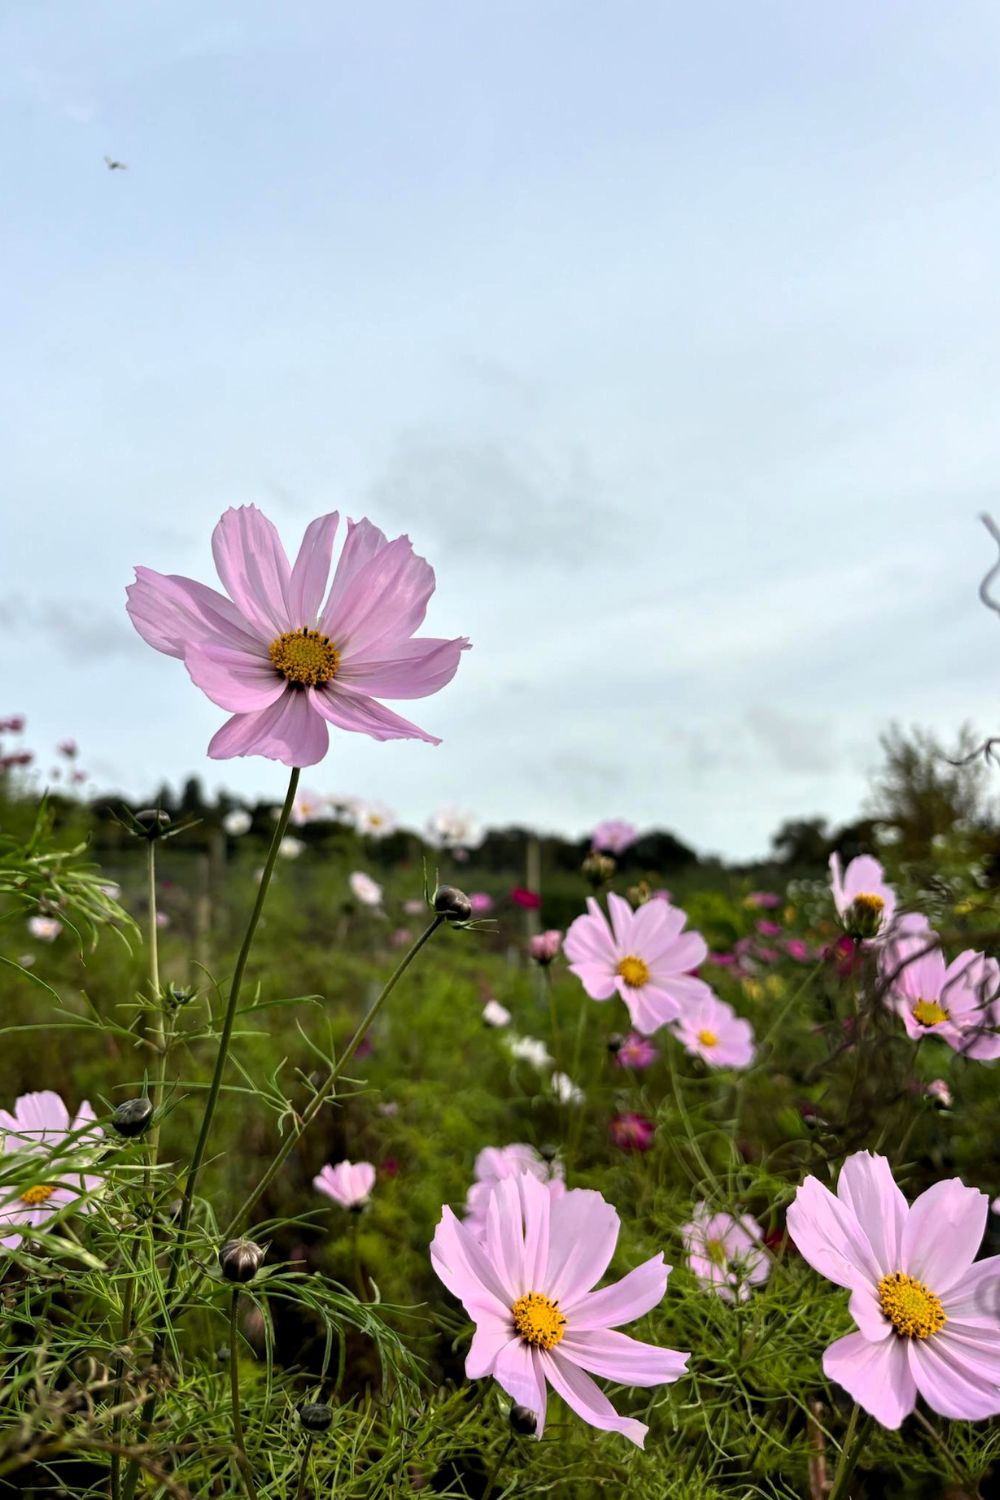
[[240, 1260], [864, 916], [598, 868], [315, 1416], [523, 1421], [639, 894], [132, 1117], [177, 995], [153, 822], [452, 904]]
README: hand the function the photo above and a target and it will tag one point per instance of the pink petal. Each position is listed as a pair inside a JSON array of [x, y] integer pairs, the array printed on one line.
[[235, 680], [866, 1310], [949, 1382], [518, 1369], [621, 1302], [876, 1375], [288, 731], [253, 567], [491, 1335], [649, 1008], [828, 1235], [866, 1187], [588, 1400], [505, 1237], [658, 926], [467, 1272], [385, 600], [942, 1234], [171, 613], [415, 669], [583, 1232], [536, 1208], [350, 710], [615, 1356], [622, 920], [307, 583], [682, 953], [599, 981], [976, 1295], [361, 544]]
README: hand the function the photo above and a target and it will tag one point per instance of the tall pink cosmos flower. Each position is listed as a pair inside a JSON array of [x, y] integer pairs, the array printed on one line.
[[958, 1002], [40, 1127], [538, 1323], [726, 1254], [644, 956], [495, 1164], [284, 661], [348, 1183], [713, 1031], [926, 1315], [865, 902], [614, 836]]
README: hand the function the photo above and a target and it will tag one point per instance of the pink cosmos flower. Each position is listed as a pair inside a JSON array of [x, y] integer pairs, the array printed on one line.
[[480, 902], [763, 899], [926, 1315], [544, 946], [726, 1254], [713, 1031], [529, 900], [46, 929], [769, 929], [308, 807], [40, 1126], [374, 820], [613, 836], [528, 1290], [642, 955], [348, 1183], [797, 949], [495, 1164], [69, 748], [631, 1132], [940, 1093], [282, 661], [958, 1002], [364, 888], [865, 903], [636, 1052]]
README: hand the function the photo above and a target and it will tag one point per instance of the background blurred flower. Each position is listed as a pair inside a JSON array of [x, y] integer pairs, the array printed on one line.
[[307, 807], [565, 1090], [726, 1254], [480, 902], [290, 847], [613, 836], [495, 1014], [69, 748], [529, 1049], [365, 889], [544, 946], [347, 1183], [865, 903], [496, 1163], [40, 1126], [450, 828], [636, 1052], [631, 1132], [373, 820], [237, 822], [528, 900], [710, 1029], [46, 929], [763, 898]]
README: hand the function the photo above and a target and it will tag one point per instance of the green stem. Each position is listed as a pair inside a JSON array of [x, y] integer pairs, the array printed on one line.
[[300, 1491], [234, 1391], [327, 1090], [156, 1092], [553, 1013], [854, 1440], [128, 1302], [492, 1483], [359, 1278]]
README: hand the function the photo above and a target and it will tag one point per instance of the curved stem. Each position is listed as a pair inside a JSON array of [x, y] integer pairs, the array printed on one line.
[[300, 1490], [329, 1087], [234, 1391], [854, 1440]]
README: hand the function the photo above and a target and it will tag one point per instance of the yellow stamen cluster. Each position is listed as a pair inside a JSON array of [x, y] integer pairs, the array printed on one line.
[[708, 1038], [912, 1308], [304, 657], [634, 971], [716, 1252], [864, 918], [538, 1320], [929, 1013], [40, 1193]]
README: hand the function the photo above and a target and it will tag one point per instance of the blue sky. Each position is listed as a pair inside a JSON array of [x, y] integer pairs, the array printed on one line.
[[670, 333]]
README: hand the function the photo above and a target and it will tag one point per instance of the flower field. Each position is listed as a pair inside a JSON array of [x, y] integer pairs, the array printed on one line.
[[348, 1160]]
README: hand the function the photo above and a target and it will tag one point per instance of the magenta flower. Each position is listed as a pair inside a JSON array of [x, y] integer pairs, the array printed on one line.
[[926, 1315], [528, 900], [769, 929], [13, 724], [797, 949], [958, 1002], [713, 1031], [613, 836], [348, 1183], [865, 903], [538, 1323], [641, 955], [282, 661], [631, 1132], [40, 1127], [481, 903], [726, 1254], [636, 1052], [497, 1163], [544, 946], [763, 899]]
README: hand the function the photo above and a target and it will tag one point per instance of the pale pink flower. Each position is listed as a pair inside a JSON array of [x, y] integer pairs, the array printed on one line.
[[162, 919], [13, 724], [40, 1127], [527, 1288], [46, 929], [940, 1093], [481, 903], [711, 1029], [763, 899], [69, 748], [282, 661], [348, 1183], [642, 955], [726, 1254], [636, 1052], [495, 1164], [307, 807], [401, 937], [365, 889], [865, 903], [414, 908], [290, 847], [613, 836], [957, 1002], [237, 822], [495, 1014], [451, 828], [926, 1314], [374, 820], [544, 946]]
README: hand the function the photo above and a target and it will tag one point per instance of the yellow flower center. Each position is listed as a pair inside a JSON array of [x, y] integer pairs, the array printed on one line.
[[912, 1308], [708, 1038], [929, 1013], [375, 820], [538, 1320], [634, 971], [304, 657], [716, 1251], [37, 1194], [869, 903]]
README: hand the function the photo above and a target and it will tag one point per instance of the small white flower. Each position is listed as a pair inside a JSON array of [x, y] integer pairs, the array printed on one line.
[[530, 1049], [290, 847], [47, 929], [366, 890], [565, 1090], [495, 1014], [237, 822], [374, 820], [449, 828]]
